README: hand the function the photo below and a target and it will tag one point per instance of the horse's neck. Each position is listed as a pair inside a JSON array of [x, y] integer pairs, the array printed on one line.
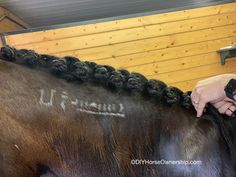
[[74, 120]]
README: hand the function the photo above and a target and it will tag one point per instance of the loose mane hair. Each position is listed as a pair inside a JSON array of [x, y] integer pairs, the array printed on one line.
[[73, 70]]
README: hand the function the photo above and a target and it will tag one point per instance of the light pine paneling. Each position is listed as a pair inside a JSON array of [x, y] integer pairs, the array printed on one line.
[[178, 48], [168, 34], [115, 25]]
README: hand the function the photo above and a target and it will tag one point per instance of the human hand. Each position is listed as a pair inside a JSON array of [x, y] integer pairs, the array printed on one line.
[[211, 90], [225, 107]]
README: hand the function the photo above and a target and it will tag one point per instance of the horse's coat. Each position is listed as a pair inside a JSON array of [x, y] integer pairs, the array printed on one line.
[[80, 105], [43, 135]]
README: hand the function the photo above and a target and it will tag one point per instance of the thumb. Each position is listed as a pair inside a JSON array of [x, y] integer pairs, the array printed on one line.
[[200, 108], [229, 100]]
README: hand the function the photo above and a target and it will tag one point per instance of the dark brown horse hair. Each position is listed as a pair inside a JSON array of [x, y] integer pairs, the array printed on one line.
[[74, 70]]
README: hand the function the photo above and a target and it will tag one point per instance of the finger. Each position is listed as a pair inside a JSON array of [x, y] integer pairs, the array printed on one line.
[[224, 108], [229, 100], [200, 108], [195, 97], [195, 106], [232, 108], [218, 104], [228, 112]]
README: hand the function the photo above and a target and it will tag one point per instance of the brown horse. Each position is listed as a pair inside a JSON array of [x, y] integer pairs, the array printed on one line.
[[98, 121]]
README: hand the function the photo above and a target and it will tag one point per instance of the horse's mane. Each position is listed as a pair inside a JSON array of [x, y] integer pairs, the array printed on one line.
[[74, 70]]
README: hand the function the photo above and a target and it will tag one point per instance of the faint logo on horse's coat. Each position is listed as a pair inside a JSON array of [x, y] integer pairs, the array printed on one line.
[[47, 98], [48, 102]]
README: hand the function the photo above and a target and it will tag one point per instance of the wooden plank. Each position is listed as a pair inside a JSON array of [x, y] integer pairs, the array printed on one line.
[[154, 43], [187, 85], [7, 25], [158, 55], [190, 84], [207, 64], [122, 36], [202, 60], [197, 72], [177, 64], [119, 24], [167, 65]]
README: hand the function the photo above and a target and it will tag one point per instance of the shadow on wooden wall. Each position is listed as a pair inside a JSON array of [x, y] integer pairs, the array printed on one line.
[[10, 22]]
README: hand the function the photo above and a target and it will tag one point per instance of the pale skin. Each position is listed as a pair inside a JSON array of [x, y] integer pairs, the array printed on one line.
[[211, 90]]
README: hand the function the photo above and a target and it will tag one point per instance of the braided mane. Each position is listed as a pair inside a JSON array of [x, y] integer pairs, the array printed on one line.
[[74, 70]]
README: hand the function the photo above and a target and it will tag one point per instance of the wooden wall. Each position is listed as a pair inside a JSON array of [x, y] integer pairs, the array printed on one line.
[[178, 48], [7, 25]]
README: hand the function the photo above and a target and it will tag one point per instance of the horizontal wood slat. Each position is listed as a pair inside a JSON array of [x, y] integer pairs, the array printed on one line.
[[194, 73], [156, 55], [167, 66], [7, 25], [189, 85], [165, 42], [109, 38]]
